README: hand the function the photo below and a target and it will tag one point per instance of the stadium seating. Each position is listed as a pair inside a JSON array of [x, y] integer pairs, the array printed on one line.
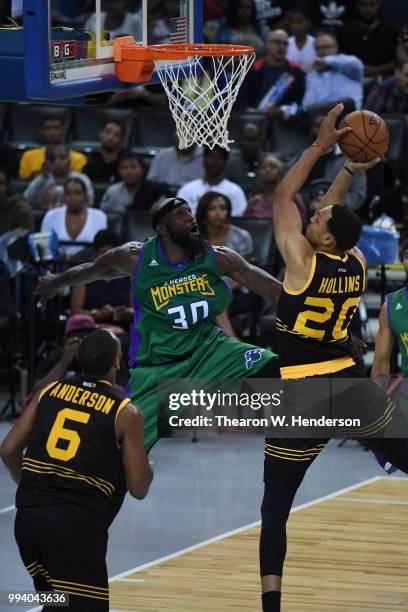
[[261, 231], [87, 123], [25, 121], [138, 226]]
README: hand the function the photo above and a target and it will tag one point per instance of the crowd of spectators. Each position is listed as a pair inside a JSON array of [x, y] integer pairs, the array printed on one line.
[[309, 55]]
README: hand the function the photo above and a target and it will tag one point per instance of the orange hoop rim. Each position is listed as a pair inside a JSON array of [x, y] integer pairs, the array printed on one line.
[[135, 62], [174, 51]]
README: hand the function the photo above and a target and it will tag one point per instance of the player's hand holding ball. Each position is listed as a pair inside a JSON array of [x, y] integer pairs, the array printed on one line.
[[328, 135], [354, 167]]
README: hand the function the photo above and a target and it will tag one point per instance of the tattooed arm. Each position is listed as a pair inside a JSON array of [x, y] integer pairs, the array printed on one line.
[[257, 280], [121, 261]]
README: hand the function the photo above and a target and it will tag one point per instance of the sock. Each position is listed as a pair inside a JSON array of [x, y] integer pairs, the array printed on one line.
[[271, 601]]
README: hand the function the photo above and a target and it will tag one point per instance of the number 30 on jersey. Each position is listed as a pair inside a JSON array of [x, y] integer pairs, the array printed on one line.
[[190, 315]]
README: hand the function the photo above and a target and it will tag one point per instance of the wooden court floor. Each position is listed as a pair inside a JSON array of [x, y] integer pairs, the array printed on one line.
[[347, 551]]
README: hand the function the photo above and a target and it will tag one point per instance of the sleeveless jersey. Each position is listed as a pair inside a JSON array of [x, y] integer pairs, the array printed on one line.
[[175, 305], [312, 323], [397, 310], [72, 454]]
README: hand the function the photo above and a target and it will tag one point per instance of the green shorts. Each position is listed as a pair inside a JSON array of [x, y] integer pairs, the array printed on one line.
[[218, 357]]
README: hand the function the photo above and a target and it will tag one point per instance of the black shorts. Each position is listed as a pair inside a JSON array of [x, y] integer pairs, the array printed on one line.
[[293, 456], [63, 547]]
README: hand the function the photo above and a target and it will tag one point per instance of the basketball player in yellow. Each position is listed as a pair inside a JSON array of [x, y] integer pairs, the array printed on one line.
[[323, 283], [84, 444]]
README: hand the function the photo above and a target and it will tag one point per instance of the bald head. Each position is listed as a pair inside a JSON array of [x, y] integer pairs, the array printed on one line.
[[326, 44], [277, 44], [161, 209]]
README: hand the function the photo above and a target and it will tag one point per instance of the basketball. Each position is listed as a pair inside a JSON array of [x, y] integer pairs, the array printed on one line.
[[369, 138]]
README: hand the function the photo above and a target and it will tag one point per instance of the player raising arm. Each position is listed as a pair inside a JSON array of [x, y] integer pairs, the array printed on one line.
[[178, 293], [323, 283], [297, 249]]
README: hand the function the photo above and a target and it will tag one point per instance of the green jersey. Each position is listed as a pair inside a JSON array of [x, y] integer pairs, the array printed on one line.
[[174, 333], [175, 305], [397, 310]]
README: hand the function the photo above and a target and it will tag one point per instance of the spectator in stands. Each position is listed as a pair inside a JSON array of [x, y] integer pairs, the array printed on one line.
[[215, 162], [52, 197], [243, 162], [240, 27], [301, 50], [213, 218], [159, 28], [107, 301], [370, 39], [176, 166], [270, 172], [61, 361], [273, 83], [8, 160], [103, 167], [335, 75], [14, 212], [134, 191], [402, 48], [329, 165], [390, 95], [51, 133], [75, 221], [117, 20], [55, 173]]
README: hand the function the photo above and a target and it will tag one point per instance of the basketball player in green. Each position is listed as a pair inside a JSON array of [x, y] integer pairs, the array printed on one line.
[[324, 279], [393, 324], [84, 444], [178, 292]]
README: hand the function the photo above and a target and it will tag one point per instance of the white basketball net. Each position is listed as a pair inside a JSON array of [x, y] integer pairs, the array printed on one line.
[[201, 92]]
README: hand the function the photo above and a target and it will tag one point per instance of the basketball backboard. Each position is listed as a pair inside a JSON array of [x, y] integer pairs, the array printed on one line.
[[68, 44]]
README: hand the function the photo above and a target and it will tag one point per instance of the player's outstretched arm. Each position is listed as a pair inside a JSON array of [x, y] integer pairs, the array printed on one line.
[[337, 192], [254, 278], [286, 219], [121, 261], [129, 433], [13, 445], [383, 346]]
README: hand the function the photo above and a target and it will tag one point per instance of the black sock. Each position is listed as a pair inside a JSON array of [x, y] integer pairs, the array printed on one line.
[[271, 601]]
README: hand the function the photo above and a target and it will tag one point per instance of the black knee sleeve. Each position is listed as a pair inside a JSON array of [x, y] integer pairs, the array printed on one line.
[[275, 509]]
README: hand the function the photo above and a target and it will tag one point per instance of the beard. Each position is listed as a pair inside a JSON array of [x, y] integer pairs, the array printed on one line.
[[307, 234], [185, 240]]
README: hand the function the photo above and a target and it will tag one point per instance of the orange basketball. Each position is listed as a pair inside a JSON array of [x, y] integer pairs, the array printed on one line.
[[369, 138]]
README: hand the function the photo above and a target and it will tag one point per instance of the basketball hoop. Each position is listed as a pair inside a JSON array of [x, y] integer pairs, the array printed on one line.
[[201, 82]]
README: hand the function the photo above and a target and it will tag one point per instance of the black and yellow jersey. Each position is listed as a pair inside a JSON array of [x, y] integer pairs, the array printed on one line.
[[312, 323], [72, 454]]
